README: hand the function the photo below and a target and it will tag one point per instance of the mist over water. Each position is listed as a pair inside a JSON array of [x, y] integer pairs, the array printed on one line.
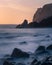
[[25, 39]]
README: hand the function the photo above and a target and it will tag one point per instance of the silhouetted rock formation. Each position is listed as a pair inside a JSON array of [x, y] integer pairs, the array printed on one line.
[[42, 13], [23, 25], [42, 18], [44, 23], [18, 53]]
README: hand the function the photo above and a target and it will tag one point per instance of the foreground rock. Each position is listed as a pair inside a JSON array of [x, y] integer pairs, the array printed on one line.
[[18, 53], [7, 63], [20, 64], [45, 61], [49, 47], [40, 50], [48, 61], [34, 62], [42, 56]]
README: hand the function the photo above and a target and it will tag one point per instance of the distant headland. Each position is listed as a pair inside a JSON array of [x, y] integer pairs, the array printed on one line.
[[42, 18]]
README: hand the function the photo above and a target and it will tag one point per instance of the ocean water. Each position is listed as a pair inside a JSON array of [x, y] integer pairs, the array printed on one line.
[[25, 39]]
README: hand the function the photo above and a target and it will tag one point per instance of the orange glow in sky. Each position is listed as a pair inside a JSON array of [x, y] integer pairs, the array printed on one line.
[[15, 11]]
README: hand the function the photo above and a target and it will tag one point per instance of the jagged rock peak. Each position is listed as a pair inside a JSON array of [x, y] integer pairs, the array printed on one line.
[[25, 22]]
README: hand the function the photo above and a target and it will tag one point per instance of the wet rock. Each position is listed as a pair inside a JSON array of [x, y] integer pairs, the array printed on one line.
[[46, 63], [49, 59], [34, 62], [49, 47], [40, 49], [20, 64], [18, 53], [7, 63], [10, 58], [38, 63]]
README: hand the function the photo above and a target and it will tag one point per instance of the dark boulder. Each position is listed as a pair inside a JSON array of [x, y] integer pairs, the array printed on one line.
[[7, 63], [49, 59], [46, 63], [20, 64], [49, 47], [18, 53], [38, 63], [34, 62], [40, 49]]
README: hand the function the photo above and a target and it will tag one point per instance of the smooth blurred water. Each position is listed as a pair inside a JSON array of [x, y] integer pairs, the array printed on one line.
[[25, 39]]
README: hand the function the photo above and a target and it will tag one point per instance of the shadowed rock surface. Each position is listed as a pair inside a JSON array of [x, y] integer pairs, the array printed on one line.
[[41, 19], [20, 64], [7, 63], [43, 13], [18, 53], [19, 57], [40, 50], [49, 47], [34, 62], [23, 25]]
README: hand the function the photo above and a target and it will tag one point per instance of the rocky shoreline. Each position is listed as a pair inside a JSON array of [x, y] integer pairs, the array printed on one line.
[[41, 19], [42, 56]]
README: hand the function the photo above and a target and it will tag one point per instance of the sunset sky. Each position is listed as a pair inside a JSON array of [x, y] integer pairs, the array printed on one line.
[[15, 11]]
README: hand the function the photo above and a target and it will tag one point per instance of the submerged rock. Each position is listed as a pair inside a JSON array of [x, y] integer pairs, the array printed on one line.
[[7, 63], [23, 42], [18, 53], [48, 36]]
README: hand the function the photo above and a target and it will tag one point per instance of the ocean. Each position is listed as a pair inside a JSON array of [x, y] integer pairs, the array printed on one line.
[[25, 39]]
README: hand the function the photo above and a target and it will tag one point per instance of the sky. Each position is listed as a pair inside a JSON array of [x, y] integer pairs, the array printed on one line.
[[15, 11]]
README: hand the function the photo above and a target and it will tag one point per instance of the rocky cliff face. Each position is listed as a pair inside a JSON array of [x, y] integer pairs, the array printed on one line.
[[43, 13], [42, 18]]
